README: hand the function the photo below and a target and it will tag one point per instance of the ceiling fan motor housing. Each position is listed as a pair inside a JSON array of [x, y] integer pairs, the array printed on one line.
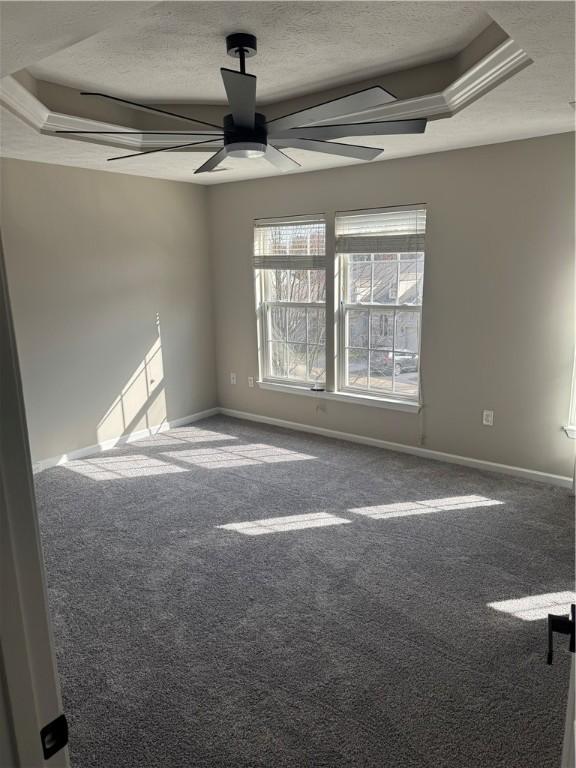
[[245, 142]]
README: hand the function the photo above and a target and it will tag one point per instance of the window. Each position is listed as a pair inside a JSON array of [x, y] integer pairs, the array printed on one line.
[[379, 271], [289, 259], [382, 269]]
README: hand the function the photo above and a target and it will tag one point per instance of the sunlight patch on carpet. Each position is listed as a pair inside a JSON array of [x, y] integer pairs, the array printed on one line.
[[118, 467], [535, 607], [236, 456], [406, 508], [282, 524]]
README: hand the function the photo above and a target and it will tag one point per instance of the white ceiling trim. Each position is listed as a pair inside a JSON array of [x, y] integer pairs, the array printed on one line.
[[22, 103], [18, 99], [504, 61], [496, 67], [56, 121]]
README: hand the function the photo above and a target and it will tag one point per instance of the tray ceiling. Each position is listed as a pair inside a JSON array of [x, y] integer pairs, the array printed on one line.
[[302, 47], [172, 52]]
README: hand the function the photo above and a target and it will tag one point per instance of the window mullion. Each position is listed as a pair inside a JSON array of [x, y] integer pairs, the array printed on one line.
[[285, 344], [265, 325], [370, 335], [394, 349], [297, 304], [342, 322], [332, 308], [307, 355]]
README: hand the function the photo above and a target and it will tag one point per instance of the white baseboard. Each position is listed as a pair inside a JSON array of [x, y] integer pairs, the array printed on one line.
[[106, 445], [427, 453]]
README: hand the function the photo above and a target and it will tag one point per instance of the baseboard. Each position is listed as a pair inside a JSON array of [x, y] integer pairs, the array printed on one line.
[[106, 445], [427, 453]]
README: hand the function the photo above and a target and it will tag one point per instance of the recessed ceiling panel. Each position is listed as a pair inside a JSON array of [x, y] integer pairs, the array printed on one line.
[[173, 51]]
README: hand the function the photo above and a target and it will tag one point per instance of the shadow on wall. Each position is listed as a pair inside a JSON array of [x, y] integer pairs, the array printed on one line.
[[142, 402]]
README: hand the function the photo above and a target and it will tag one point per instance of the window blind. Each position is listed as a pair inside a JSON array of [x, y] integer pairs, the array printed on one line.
[[383, 231], [290, 243]]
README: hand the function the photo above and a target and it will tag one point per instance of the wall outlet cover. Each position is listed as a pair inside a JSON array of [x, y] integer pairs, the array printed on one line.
[[488, 418], [250, 381], [232, 378]]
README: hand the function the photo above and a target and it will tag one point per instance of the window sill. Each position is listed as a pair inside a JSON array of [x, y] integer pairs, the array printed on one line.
[[344, 397], [570, 430]]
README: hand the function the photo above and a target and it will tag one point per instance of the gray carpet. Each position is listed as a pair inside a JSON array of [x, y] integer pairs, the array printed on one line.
[[368, 643]]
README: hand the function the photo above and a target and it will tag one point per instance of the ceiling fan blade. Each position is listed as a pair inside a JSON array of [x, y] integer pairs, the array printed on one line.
[[387, 128], [149, 133], [146, 108], [213, 161], [162, 149], [342, 150], [241, 93], [279, 159], [353, 104]]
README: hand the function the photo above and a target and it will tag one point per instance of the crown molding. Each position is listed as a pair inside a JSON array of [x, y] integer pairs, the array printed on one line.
[[27, 107], [18, 100], [494, 68], [56, 121], [502, 63]]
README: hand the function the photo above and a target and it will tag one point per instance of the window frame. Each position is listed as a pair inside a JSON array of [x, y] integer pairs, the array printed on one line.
[[336, 308], [343, 307], [263, 306], [265, 366], [342, 334]]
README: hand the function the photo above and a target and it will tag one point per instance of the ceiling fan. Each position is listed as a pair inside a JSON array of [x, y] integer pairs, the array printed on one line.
[[247, 133]]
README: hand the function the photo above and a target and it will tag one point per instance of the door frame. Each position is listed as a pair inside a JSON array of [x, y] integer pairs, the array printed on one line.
[[569, 746], [29, 681]]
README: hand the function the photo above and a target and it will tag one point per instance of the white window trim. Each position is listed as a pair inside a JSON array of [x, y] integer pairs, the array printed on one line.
[[353, 398]]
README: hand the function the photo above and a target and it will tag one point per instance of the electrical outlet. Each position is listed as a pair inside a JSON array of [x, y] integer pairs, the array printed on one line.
[[250, 381], [488, 418], [232, 378]]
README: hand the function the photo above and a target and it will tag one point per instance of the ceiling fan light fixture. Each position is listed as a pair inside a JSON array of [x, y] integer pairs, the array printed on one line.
[[244, 142], [245, 149]]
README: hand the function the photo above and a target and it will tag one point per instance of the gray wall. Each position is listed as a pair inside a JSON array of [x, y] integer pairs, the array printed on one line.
[[498, 317], [94, 260], [93, 257]]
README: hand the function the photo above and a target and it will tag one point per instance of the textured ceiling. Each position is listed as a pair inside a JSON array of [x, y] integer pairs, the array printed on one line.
[[173, 52], [31, 31], [533, 102]]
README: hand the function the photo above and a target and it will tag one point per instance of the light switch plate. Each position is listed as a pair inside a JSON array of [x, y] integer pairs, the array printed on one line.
[[488, 418]]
